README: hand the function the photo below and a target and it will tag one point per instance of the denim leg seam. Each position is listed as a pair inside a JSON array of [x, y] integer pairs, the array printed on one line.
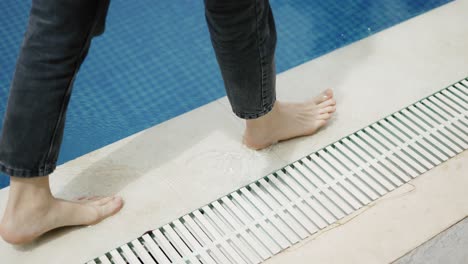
[[244, 115], [259, 40], [68, 91]]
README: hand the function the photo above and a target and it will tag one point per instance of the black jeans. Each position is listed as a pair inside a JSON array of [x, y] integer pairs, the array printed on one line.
[[57, 40]]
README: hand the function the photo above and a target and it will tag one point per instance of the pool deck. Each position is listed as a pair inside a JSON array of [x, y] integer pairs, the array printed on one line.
[[447, 247], [177, 166]]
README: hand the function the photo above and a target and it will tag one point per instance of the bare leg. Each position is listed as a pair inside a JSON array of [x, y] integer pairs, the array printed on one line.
[[289, 120], [32, 210]]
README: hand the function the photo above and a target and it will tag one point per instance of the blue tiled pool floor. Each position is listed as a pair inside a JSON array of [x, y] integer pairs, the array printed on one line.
[[155, 60]]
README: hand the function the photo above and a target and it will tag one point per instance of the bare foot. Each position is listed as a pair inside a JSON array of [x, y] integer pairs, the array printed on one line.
[[32, 210], [289, 120]]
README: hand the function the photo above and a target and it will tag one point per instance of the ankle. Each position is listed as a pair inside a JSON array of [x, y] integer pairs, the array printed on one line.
[[29, 194], [264, 122]]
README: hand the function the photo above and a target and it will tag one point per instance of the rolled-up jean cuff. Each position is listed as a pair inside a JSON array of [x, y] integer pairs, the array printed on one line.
[[265, 111], [27, 173]]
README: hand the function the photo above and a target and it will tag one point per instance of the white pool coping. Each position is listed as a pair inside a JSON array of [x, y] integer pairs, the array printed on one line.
[[177, 166]]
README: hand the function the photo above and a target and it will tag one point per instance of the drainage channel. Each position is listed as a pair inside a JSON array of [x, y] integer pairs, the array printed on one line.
[[267, 216]]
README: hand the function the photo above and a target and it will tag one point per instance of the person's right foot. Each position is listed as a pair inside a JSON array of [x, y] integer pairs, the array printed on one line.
[[290, 120], [25, 219]]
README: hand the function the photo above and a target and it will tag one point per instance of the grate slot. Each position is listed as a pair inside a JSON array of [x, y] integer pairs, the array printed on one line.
[[289, 178], [401, 150], [242, 250], [376, 158], [456, 90], [344, 194], [374, 173], [105, 259], [445, 116], [440, 131], [256, 228], [312, 171], [422, 128], [457, 102], [155, 250], [444, 100], [346, 177], [464, 83], [357, 173], [401, 170], [381, 158], [180, 245], [310, 220], [413, 150], [130, 255], [259, 220], [255, 246], [459, 90], [425, 148], [224, 244], [117, 258], [310, 182], [292, 230], [266, 223], [429, 142], [213, 248], [446, 127], [447, 107], [142, 253], [289, 208], [192, 242], [255, 200]]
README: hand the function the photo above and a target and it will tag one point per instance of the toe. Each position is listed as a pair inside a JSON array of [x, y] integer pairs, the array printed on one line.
[[83, 198], [87, 199], [320, 123], [328, 109], [326, 103], [110, 208], [95, 198], [323, 96], [103, 200], [324, 116], [329, 93]]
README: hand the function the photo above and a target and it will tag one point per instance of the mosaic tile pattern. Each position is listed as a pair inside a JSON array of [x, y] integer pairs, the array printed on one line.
[[155, 60]]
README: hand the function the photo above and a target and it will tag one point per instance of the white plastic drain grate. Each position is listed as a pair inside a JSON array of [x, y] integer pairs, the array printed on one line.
[[259, 220]]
